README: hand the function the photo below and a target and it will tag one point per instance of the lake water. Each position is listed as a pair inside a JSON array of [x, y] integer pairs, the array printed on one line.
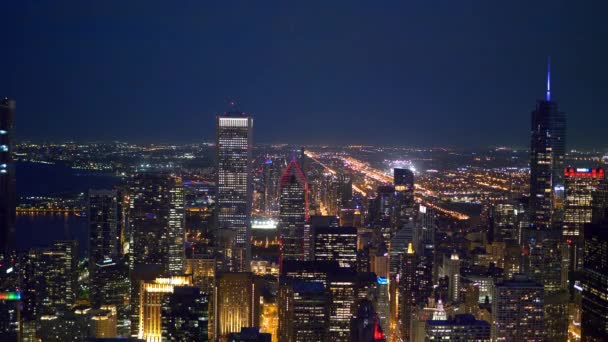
[[35, 179]]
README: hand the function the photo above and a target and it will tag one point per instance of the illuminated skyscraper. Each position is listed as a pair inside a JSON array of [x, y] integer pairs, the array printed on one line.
[[518, 310], [452, 271], [176, 234], [51, 279], [408, 290], [404, 198], [293, 213], [234, 189], [338, 244], [153, 294], [580, 185], [7, 177], [237, 298], [157, 221], [342, 289], [547, 150]]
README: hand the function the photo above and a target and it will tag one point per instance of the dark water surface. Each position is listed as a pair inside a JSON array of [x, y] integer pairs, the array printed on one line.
[[40, 230]]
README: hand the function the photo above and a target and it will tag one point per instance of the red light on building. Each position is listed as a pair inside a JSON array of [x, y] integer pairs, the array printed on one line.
[[584, 172]]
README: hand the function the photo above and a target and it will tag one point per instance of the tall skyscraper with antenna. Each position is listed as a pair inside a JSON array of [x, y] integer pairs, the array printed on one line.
[[547, 151], [7, 177]]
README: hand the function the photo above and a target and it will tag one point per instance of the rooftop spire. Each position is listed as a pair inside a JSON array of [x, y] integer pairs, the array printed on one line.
[[548, 79]]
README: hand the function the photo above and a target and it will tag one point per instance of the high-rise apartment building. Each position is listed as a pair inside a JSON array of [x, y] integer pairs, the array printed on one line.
[[234, 190], [7, 177], [293, 213]]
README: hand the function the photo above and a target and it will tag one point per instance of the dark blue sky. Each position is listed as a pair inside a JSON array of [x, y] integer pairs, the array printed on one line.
[[448, 72]]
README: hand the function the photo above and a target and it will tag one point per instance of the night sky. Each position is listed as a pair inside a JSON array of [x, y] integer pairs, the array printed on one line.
[[421, 73]]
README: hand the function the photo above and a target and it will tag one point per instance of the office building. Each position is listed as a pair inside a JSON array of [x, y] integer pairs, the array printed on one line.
[[293, 213], [237, 297], [153, 295], [157, 221], [8, 196], [234, 190], [303, 311], [110, 286], [185, 315], [338, 244], [580, 183], [518, 310], [451, 267], [104, 214], [103, 323], [342, 288], [403, 180]]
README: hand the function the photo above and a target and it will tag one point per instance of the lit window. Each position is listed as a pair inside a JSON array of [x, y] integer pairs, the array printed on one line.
[[3, 148]]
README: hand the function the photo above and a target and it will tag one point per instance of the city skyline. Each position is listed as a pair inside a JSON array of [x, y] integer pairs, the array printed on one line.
[[236, 239], [398, 72]]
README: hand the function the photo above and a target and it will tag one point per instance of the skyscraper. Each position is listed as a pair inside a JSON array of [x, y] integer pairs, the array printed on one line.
[[7, 177], [452, 271], [404, 197], [104, 234], [153, 295], [547, 150], [408, 290], [580, 184], [237, 302], [518, 310], [293, 213], [157, 221], [234, 190], [303, 311], [185, 315]]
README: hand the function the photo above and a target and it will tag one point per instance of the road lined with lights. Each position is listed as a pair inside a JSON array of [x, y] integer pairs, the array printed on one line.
[[376, 175]]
